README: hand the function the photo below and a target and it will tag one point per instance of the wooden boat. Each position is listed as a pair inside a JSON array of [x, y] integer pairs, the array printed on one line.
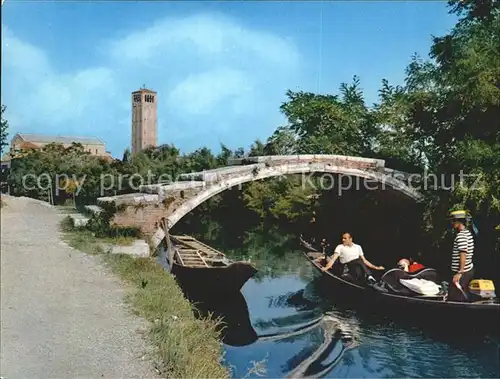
[[199, 267], [398, 300]]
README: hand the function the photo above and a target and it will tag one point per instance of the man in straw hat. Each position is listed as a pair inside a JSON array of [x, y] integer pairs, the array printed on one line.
[[462, 266]]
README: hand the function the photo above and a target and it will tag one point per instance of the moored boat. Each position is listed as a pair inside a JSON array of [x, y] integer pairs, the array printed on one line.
[[201, 268], [394, 298]]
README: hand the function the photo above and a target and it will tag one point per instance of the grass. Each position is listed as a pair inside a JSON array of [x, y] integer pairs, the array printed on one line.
[[84, 241], [81, 238], [120, 240], [186, 347]]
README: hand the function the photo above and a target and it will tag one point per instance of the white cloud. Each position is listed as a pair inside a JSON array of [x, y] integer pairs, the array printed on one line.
[[22, 56], [200, 93], [206, 34], [209, 71], [37, 95]]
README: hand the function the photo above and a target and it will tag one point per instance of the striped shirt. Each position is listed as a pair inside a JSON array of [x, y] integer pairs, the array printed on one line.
[[463, 242]]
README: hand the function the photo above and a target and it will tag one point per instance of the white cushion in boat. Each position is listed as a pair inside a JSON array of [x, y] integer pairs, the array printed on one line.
[[421, 286]]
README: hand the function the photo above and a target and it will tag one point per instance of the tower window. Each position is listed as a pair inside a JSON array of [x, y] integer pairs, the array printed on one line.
[[137, 97], [149, 99]]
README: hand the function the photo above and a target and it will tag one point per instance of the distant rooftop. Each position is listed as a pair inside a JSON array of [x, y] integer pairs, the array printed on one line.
[[59, 139]]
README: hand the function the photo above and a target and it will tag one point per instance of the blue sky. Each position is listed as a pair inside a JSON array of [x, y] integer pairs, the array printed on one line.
[[221, 69]]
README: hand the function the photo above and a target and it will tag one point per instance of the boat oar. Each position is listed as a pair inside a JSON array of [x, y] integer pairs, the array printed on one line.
[[461, 290]]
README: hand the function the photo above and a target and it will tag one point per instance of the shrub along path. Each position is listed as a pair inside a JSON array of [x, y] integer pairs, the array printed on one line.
[[63, 314]]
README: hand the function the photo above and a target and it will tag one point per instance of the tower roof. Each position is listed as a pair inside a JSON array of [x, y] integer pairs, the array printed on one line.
[[144, 90]]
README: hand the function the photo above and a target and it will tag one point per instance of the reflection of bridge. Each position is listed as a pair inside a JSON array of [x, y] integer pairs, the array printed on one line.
[[173, 201]]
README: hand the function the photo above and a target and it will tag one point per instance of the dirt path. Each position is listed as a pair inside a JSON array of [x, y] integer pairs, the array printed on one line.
[[62, 312]]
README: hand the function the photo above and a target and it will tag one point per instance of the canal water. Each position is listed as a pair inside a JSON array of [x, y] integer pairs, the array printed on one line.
[[286, 323]]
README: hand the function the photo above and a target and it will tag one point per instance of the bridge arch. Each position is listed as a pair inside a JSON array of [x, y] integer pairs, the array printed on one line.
[[387, 177]]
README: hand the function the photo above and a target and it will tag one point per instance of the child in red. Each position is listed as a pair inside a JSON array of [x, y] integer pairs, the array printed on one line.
[[405, 264], [415, 266]]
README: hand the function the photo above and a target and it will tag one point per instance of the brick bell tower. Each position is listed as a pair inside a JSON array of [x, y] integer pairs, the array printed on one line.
[[144, 119]]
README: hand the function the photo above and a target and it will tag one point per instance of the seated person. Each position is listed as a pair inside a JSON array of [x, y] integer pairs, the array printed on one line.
[[352, 255], [410, 266], [415, 266]]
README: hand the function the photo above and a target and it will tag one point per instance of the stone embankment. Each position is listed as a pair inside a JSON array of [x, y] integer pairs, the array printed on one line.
[[63, 314]]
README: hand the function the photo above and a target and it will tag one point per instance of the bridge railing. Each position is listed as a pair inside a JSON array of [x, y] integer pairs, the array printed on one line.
[[306, 157], [209, 177], [218, 174]]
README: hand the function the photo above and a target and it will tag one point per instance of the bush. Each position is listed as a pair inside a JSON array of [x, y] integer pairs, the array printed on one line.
[[67, 224]]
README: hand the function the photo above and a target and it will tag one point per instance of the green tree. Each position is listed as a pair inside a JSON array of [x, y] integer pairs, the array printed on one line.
[[452, 108], [126, 155], [258, 148], [282, 142], [223, 157], [482, 10], [455, 103], [331, 124]]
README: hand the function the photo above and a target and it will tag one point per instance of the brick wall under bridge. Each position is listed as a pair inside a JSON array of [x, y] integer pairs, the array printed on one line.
[[173, 201]]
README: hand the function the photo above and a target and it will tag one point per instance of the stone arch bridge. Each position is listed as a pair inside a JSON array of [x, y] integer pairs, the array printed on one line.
[[173, 201]]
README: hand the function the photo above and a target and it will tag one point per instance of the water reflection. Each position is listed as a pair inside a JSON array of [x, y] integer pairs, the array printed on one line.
[[297, 300], [232, 309], [300, 333], [336, 340], [299, 340]]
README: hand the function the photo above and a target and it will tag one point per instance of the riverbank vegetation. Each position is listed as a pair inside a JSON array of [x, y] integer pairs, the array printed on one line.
[[442, 120], [185, 346]]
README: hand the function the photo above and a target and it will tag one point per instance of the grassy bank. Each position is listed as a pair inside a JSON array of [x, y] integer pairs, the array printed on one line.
[[186, 347]]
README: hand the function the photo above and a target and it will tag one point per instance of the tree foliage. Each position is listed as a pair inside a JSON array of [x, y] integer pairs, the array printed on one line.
[[330, 124]]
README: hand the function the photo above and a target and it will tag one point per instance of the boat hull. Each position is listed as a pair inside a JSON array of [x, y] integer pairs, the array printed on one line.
[[230, 278], [207, 275], [423, 309]]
